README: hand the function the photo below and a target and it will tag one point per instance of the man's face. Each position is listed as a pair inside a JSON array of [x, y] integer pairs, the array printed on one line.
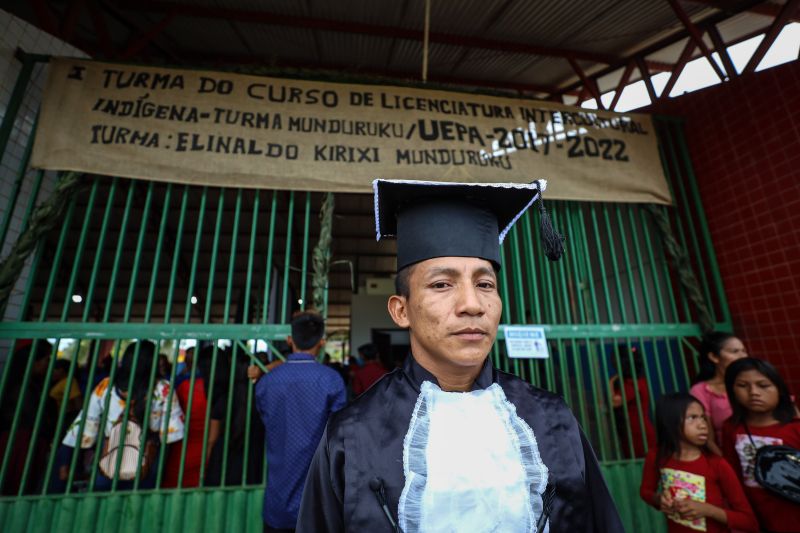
[[453, 310]]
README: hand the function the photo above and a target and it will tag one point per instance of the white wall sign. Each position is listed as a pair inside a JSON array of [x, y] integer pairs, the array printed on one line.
[[526, 342]]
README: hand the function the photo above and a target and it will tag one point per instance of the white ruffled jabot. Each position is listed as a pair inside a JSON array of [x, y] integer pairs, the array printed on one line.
[[470, 464]]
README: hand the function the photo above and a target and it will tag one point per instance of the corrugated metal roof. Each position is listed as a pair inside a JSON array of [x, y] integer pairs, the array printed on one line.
[[385, 35]]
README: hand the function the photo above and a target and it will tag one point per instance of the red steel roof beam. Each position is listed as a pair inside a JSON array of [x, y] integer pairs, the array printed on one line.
[[137, 45], [697, 36], [651, 91], [666, 41], [765, 8], [589, 83], [686, 55], [722, 50], [623, 82], [276, 19], [786, 14]]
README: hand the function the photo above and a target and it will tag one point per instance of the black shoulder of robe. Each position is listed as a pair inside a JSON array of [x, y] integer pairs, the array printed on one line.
[[364, 441]]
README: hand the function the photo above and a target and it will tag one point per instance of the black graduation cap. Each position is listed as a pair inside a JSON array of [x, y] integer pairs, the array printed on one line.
[[446, 219]]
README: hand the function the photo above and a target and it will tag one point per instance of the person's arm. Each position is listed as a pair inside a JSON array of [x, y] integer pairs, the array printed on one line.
[[605, 517], [214, 429], [648, 490], [740, 515], [338, 396], [322, 506]]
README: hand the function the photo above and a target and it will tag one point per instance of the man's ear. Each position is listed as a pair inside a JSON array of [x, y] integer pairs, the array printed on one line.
[[398, 310], [290, 343]]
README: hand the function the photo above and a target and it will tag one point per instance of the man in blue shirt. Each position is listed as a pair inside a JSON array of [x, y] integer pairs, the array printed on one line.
[[294, 401]]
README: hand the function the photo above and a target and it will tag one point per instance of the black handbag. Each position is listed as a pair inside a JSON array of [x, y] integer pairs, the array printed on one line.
[[777, 469]]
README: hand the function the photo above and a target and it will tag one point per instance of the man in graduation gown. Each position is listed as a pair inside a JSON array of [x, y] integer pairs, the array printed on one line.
[[448, 442]]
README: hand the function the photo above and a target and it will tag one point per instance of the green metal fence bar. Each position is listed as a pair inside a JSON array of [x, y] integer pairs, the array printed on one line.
[[601, 262], [640, 414], [211, 378], [573, 256], [304, 271], [615, 266], [145, 422], [520, 293], [646, 296], [232, 371], [98, 256], [187, 312], [107, 313], [628, 264], [137, 261], [32, 274], [683, 201], [126, 413], [64, 314], [680, 237], [506, 314], [15, 100], [703, 223], [533, 279], [579, 380], [288, 257], [43, 313], [21, 173], [37, 421], [118, 330], [563, 278], [597, 382], [246, 316], [624, 395], [187, 420], [656, 273], [268, 269], [165, 209]]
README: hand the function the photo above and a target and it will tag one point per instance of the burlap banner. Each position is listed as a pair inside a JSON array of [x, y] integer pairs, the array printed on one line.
[[215, 128]]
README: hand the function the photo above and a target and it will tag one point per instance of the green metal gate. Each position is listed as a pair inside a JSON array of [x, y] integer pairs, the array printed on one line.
[[138, 260]]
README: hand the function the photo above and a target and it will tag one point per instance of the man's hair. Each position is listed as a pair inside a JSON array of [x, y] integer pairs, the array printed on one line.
[[308, 328], [401, 286]]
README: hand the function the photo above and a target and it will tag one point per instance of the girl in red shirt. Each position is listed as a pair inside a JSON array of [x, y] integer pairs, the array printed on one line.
[[696, 489], [761, 404]]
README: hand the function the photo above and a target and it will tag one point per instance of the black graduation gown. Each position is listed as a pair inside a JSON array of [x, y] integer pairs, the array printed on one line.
[[365, 440]]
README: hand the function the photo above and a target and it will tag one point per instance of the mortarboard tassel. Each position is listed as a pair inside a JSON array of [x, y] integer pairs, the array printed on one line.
[[552, 241]]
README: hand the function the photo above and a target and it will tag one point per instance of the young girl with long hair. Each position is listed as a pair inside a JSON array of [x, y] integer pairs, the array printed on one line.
[[696, 489], [717, 350], [763, 414]]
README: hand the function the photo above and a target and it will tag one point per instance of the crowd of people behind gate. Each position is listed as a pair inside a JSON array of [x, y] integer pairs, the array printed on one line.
[[699, 470], [199, 424], [703, 471]]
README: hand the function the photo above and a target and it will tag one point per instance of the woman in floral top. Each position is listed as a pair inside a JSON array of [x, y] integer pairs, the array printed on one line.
[[116, 409]]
